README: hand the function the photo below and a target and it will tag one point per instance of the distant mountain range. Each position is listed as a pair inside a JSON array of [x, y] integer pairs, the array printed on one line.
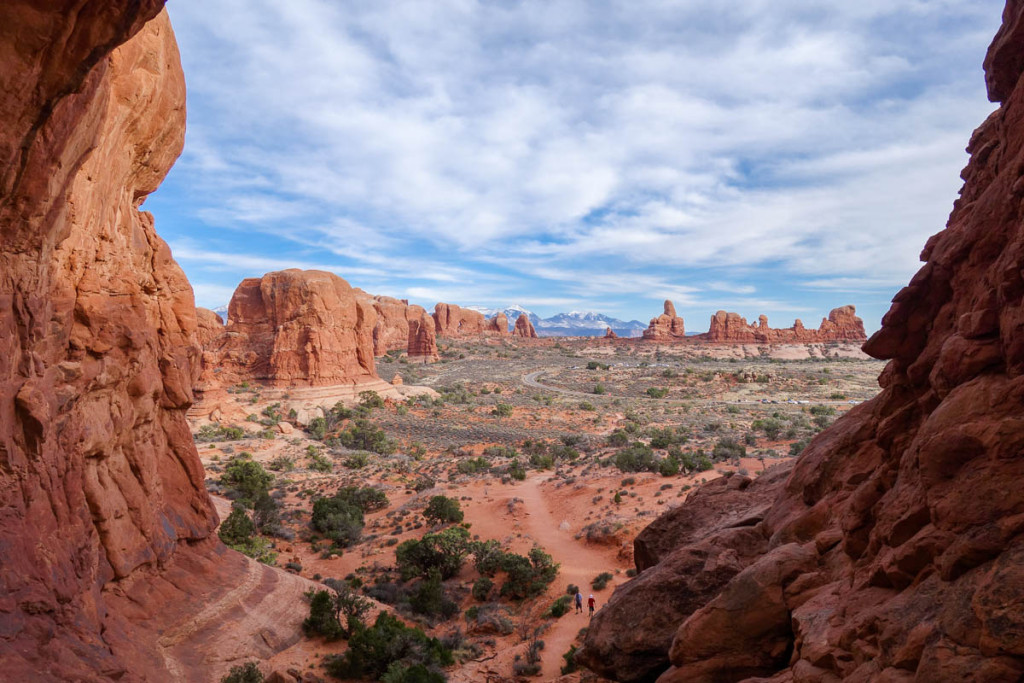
[[572, 324]]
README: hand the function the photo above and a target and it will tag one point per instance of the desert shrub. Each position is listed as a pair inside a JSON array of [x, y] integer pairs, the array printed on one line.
[[669, 467], [247, 478], [320, 463], [657, 392], [364, 435], [542, 462], [282, 463], [443, 510], [502, 410], [527, 577], [516, 470], [356, 461], [473, 465], [482, 589], [265, 514], [797, 447], [663, 438], [564, 452], [599, 389], [501, 452], [727, 448], [559, 607], [601, 580], [237, 528], [594, 365], [569, 656], [370, 400], [429, 598], [618, 438], [443, 551], [638, 457], [212, 432], [338, 519], [258, 548], [823, 410], [390, 648], [770, 426], [244, 673], [587, 405], [487, 556]]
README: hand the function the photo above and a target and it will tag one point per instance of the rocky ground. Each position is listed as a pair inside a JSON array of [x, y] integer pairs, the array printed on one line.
[[537, 440]]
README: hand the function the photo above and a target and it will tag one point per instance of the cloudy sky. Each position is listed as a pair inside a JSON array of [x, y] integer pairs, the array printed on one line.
[[763, 156]]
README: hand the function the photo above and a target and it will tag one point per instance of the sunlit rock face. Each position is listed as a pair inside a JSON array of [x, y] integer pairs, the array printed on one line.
[[893, 551]]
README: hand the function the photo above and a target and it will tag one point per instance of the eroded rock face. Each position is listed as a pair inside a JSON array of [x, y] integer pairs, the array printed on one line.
[[609, 333], [100, 478], [498, 325], [422, 341], [667, 326], [894, 550], [524, 328], [452, 321], [842, 324], [298, 328], [391, 330]]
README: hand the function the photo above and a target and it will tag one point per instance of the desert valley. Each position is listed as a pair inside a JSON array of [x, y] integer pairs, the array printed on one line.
[[332, 484]]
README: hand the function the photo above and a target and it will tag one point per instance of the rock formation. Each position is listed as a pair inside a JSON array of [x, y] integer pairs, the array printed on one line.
[[524, 328], [452, 321], [209, 326], [498, 325], [421, 344], [667, 326], [610, 334], [894, 550], [391, 329], [297, 328], [102, 502], [842, 324]]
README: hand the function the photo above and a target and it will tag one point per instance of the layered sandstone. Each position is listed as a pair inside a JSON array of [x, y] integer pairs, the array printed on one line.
[[102, 495], [391, 329], [609, 333], [209, 326], [421, 343], [842, 324], [894, 550], [297, 328], [498, 325], [666, 327], [450, 320], [524, 328]]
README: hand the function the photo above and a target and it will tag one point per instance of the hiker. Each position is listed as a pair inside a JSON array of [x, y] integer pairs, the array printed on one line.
[[579, 602], [590, 603]]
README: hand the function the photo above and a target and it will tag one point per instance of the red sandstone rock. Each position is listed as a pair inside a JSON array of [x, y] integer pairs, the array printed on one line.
[[524, 328], [498, 325], [452, 321], [610, 334], [297, 328], [667, 326], [209, 326], [842, 324], [422, 341], [894, 551], [391, 330]]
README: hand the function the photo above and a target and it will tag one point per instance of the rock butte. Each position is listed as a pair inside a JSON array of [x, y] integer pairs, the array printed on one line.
[[109, 565], [666, 327], [893, 549], [524, 328]]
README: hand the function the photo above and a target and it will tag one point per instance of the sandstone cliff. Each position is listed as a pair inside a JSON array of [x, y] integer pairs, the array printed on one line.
[[102, 503], [452, 321], [609, 333], [894, 550], [666, 327], [421, 343], [842, 324], [391, 329], [524, 328], [498, 325], [299, 329]]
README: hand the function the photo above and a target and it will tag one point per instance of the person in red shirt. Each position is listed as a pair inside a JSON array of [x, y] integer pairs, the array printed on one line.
[[590, 603]]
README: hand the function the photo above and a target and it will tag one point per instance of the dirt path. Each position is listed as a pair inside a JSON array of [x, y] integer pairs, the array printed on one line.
[[579, 562]]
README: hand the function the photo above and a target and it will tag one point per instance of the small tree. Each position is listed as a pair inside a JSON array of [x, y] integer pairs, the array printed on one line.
[[237, 528], [443, 510], [444, 551], [244, 673], [248, 478], [338, 519]]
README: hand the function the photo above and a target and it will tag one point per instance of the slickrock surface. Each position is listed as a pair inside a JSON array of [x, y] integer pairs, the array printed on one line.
[[666, 327], [524, 328], [842, 324], [101, 491], [894, 551], [297, 328]]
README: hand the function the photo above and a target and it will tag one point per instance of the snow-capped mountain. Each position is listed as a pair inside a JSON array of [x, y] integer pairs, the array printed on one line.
[[572, 324]]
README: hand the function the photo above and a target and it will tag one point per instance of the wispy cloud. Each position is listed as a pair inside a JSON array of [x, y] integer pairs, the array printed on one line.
[[605, 152]]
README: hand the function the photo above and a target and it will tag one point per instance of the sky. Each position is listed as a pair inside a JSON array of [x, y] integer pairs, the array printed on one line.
[[781, 157]]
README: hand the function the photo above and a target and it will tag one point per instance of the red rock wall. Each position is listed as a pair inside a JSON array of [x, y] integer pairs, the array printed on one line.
[[894, 551], [391, 331], [422, 341], [842, 324], [452, 321], [296, 328], [498, 325], [100, 478]]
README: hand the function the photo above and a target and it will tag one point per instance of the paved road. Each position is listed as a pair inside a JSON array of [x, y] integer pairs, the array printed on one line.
[[530, 380]]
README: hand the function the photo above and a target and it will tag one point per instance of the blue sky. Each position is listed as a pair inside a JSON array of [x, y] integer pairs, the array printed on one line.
[[765, 156]]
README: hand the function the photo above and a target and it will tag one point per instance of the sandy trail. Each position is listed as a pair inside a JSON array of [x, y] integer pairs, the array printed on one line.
[[579, 562]]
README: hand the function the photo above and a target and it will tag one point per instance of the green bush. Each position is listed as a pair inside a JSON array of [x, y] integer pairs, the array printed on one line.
[[618, 438], [370, 400], [569, 656], [559, 607], [443, 551], [390, 648], [601, 580], [587, 405], [638, 457], [212, 432], [472, 465], [487, 556], [502, 410], [237, 528], [599, 389], [364, 435], [527, 577], [516, 470], [247, 478], [320, 463], [338, 519], [727, 448], [657, 392], [443, 510], [482, 589], [244, 673]]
